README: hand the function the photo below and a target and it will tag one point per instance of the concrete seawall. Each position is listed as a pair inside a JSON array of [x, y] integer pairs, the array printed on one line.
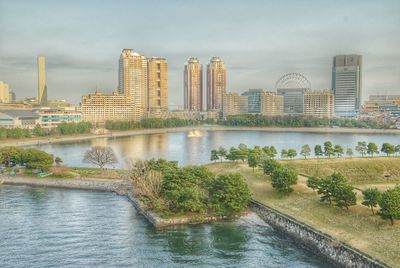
[[320, 243]]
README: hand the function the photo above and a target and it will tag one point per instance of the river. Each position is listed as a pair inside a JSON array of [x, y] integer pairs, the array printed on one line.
[[193, 147], [42, 227]]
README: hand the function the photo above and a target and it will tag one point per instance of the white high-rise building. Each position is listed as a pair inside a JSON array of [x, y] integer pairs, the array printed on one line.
[[4, 92], [346, 84]]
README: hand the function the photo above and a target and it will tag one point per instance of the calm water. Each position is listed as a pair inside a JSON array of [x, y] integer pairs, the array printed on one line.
[[191, 147], [70, 228]]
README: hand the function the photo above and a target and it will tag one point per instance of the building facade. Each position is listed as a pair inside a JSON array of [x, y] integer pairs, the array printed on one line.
[[347, 84], [293, 100], [216, 84], [133, 80], [19, 119], [4, 92], [157, 69], [319, 103], [52, 117], [99, 108], [193, 85], [271, 104], [254, 100], [42, 86], [233, 104]]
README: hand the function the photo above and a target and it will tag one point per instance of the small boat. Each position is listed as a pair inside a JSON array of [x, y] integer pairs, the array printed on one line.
[[194, 134]]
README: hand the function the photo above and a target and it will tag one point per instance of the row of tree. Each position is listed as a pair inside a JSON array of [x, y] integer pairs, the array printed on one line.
[[151, 123], [335, 189], [256, 120], [38, 131], [30, 158], [188, 189]]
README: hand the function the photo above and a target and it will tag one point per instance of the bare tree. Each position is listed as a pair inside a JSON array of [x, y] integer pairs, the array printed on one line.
[[100, 156], [145, 181]]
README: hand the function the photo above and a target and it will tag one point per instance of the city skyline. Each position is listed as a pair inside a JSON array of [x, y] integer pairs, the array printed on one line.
[[258, 45]]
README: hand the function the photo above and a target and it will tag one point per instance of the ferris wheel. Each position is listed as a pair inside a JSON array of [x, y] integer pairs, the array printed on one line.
[[293, 80]]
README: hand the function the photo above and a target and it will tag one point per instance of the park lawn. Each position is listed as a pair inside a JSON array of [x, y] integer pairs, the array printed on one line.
[[357, 227], [358, 171]]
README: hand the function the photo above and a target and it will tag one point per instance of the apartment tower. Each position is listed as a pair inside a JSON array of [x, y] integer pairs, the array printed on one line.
[[346, 84], [42, 87], [193, 85], [216, 83], [157, 71], [133, 80]]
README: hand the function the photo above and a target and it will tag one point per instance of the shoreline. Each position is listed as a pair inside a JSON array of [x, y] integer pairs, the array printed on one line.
[[135, 132]]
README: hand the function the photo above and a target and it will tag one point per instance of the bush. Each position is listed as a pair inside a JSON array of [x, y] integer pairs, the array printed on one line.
[[282, 179], [390, 204]]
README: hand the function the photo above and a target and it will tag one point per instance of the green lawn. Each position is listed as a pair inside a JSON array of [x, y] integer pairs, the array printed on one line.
[[357, 227]]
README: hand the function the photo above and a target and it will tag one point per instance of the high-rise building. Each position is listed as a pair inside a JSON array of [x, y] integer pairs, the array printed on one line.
[[271, 104], [4, 92], [319, 103], [157, 69], [42, 86], [216, 83], [12, 97], [346, 84], [193, 85], [293, 100], [254, 100], [133, 80], [233, 104]]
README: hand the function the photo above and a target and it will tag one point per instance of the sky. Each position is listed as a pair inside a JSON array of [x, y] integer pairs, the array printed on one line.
[[259, 41]]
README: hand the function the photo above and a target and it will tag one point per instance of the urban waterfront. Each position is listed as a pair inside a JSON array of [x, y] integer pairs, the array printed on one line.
[[193, 147], [72, 228]]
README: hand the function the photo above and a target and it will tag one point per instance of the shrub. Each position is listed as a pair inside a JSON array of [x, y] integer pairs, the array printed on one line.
[[282, 179]]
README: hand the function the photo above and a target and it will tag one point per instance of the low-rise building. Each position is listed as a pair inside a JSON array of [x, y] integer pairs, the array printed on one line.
[[52, 117], [271, 104], [19, 119], [319, 103], [233, 104], [100, 107]]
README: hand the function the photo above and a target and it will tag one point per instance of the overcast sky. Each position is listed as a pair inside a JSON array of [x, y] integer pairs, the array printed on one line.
[[258, 40]]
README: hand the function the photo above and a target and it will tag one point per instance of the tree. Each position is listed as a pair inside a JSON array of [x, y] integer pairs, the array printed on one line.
[[372, 149], [282, 178], [146, 181], [229, 194], [38, 131], [233, 154], [58, 160], [269, 165], [100, 156], [361, 148], [328, 185], [10, 155], [272, 152], [344, 196], [328, 149], [214, 155], [397, 149], [338, 150], [390, 204], [349, 152], [253, 159], [313, 182], [243, 152], [34, 158], [221, 152], [291, 153], [318, 151], [388, 149], [371, 198], [305, 151], [284, 153]]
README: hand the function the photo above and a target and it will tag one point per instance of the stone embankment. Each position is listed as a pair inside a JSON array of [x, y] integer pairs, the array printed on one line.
[[320, 243]]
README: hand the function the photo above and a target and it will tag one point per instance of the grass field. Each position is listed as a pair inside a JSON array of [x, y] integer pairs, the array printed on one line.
[[357, 227]]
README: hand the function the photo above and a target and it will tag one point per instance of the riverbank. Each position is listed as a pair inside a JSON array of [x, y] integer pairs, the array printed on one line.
[[356, 227], [114, 134]]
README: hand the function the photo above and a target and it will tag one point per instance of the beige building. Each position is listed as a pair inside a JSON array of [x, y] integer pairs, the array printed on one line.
[[271, 104], [52, 117], [233, 103], [42, 86], [133, 80], [157, 69], [216, 84], [193, 85], [99, 108], [4, 92], [319, 103]]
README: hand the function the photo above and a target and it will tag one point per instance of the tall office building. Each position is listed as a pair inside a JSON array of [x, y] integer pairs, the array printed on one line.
[[133, 80], [42, 86], [193, 85], [216, 83], [346, 84], [157, 69], [4, 92]]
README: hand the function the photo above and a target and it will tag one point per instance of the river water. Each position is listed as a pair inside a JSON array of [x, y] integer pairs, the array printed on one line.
[[42, 227], [193, 147]]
